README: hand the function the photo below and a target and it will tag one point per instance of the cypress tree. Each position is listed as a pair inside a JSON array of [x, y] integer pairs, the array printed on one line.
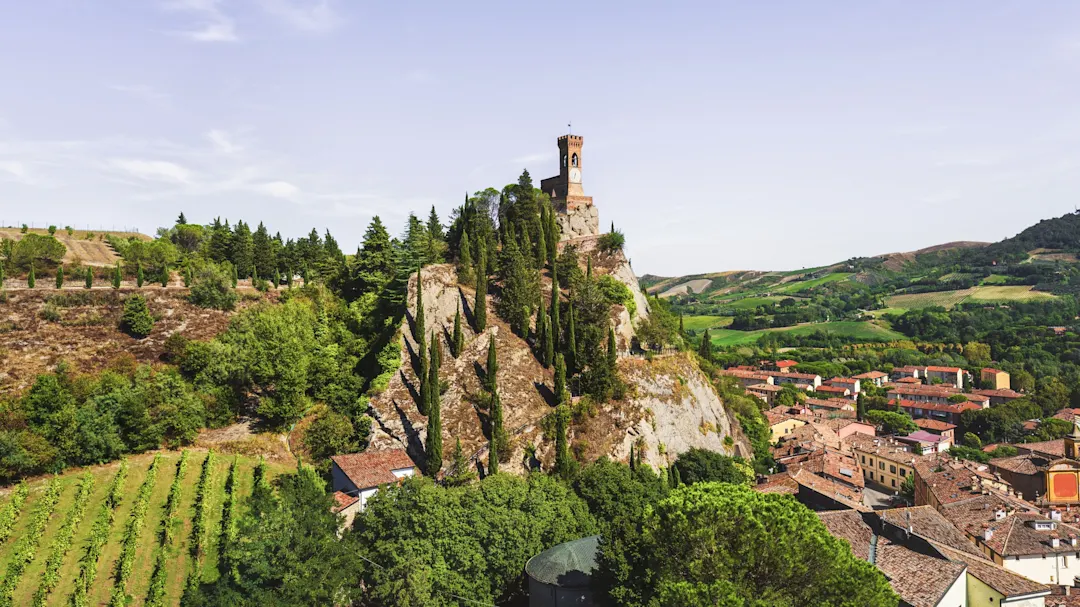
[[60, 277], [480, 306], [425, 384], [860, 407], [633, 466], [31, 279], [117, 276], [560, 379], [705, 349], [465, 260], [553, 236], [232, 275], [612, 352], [564, 465], [682, 330], [164, 275], [588, 269], [418, 330], [556, 326], [675, 478], [541, 336], [499, 441], [541, 248], [492, 370], [138, 275], [289, 277], [188, 276], [549, 349], [571, 338], [493, 456], [89, 278], [459, 337], [433, 445]]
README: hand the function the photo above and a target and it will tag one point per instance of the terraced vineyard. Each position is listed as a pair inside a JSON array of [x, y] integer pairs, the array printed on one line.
[[133, 533]]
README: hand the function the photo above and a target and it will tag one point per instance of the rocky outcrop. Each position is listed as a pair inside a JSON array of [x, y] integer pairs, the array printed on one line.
[[579, 221]]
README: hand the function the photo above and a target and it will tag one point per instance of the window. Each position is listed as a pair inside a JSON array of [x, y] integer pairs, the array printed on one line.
[[883, 478], [564, 160], [894, 482], [863, 457], [573, 160], [903, 472], [881, 465], [892, 469]]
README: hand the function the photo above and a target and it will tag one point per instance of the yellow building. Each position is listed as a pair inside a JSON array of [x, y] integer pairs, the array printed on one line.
[[994, 379], [884, 462]]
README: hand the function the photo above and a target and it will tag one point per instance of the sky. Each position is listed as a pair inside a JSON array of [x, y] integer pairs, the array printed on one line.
[[718, 135]]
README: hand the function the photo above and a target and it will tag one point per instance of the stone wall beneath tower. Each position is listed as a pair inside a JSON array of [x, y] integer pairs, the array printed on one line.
[[579, 221]]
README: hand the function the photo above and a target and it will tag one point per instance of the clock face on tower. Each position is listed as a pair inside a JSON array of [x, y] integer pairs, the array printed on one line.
[[575, 175]]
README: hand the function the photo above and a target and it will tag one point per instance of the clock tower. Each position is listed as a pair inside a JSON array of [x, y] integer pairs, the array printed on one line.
[[567, 196]]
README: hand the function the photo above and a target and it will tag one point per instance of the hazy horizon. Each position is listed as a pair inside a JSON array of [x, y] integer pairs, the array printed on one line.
[[718, 136]]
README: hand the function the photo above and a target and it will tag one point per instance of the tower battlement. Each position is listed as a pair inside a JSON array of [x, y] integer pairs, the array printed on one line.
[[577, 217]]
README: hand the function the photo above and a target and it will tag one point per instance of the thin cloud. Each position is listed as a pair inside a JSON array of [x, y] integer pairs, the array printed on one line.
[[314, 16], [213, 24], [152, 170], [223, 142], [142, 91], [277, 189]]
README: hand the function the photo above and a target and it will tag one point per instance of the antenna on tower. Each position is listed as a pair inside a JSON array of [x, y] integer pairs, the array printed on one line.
[[569, 130]]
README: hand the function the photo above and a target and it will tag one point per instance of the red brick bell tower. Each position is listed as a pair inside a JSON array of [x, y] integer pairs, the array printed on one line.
[[565, 188]]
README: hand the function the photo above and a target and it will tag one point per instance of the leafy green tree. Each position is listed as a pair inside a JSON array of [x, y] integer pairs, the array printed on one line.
[[480, 304], [891, 422], [459, 337], [616, 494], [485, 534], [136, 320], [715, 544], [701, 466], [433, 444], [60, 277], [210, 288], [462, 472], [35, 250], [330, 434], [118, 275], [30, 278], [500, 442]]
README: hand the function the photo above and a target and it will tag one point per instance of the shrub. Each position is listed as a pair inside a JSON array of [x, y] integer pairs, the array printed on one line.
[[52, 230], [210, 288], [611, 242], [615, 292], [50, 313], [70, 230], [136, 320]]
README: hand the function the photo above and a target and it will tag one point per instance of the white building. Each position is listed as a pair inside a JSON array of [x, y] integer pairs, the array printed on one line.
[[359, 475]]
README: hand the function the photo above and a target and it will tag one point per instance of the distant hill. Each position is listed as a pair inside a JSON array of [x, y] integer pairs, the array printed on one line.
[[88, 247]]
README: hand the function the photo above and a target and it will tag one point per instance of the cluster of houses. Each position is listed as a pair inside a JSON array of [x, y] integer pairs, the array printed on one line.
[[1001, 533]]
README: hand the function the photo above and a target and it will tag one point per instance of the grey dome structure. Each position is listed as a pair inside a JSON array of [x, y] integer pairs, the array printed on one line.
[[561, 575]]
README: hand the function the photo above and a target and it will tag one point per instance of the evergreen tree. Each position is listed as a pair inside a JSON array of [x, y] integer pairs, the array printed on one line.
[[433, 444], [232, 275], [465, 261], [705, 349], [436, 239], [462, 473], [164, 277], [491, 372], [138, 274], [556, 326], [493, 456], [612, 353], [218, 244], [499, 441], [181, 221], [1, 276], [242, 250], [541, 336], [549, 345], [520, 288], [420, 327], [571, 338], [541, 247], [265, 261], [682, 329], [31, 279], [480, 306], [189, 276], [588, 269], [118, 275], [60, 277], [89, 278], [860, 406], [560, 379], [553, 235], [674, 476], [565, 466], [459, 337], [632, 463]]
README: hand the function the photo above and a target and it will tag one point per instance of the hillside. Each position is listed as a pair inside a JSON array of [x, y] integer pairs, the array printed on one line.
[[178, 562], [86, 247]]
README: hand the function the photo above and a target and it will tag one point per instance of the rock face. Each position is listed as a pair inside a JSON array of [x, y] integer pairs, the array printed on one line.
[[579, 221]]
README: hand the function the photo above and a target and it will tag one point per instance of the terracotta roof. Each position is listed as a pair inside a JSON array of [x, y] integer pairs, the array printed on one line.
[[743, 374], [908, 369], [843, 380], [909, 380], [373, 468], [871, 375], [998, 393], [852, 498], [1067, 414], [343, 500], [951, 480], [934, 424], [944, 369], [778, 483], [849, 525], [1061, 600], [764, 388], [995, 576], [886, 449], [1050, 447], [786, 363], [925, 390], [806, 376], [977, 398], [930, 524], [1013, 535], [923, 436], [832, 390], [829, 403], [956, 408], [991, 370], [1026, 463]]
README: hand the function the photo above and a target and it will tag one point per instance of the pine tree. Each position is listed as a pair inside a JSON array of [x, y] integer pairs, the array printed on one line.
[[436, 239], [459, 337], [164, 278], [480, 306], [89, 278], [541, 336], [705, 349], [243, 254], [31, 279], [181, 220], [118, 275], [564, 463], [462, 473], [262, 249], [560, 379], [433, 444], [232, 274], [60, 277], [556, 326], [491, 372], [499, 441], [465, 260]]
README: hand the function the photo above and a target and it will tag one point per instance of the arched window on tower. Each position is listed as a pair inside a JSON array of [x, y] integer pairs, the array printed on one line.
[[573, 160], [564, 160]]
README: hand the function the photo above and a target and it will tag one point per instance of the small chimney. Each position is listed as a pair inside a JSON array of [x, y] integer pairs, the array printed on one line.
[[987, 532], [999, 514], [1055, 541], [909, 527], [1055, 514], [1072, 539]]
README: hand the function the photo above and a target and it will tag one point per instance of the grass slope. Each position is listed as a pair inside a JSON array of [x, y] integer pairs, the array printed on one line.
[[867, 331], [139, 581], [949, 299]]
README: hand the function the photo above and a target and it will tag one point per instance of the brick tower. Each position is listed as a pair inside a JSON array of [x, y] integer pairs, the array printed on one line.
[[577, 216]]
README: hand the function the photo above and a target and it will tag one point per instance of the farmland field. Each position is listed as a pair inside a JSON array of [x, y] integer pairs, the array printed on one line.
[[700, 323], [949, 299], [868, 331], [91, 252], [748, 303], [177, 556], [802, 285]]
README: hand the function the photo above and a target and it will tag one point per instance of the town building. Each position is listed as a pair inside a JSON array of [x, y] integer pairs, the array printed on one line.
[[993, 379], [576, 214], [748, 378], [947, 412], [359, 475], [829, 404], [780, 366], [922, 394], [908, 372], [806, 381], [766, 392], [885, 462], [927, 442], [782, 422], [937, 426], [942, 480], [999, 397], [876, 378], [1048, 473], [833, 391], [852, 383], [950, 376]]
